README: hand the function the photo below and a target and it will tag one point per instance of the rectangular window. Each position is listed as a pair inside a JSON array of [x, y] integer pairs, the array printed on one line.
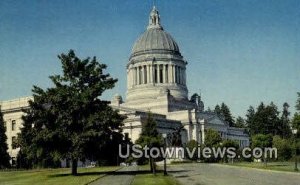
[[13, 161], [13, 125], [126, 136], [14, 142]]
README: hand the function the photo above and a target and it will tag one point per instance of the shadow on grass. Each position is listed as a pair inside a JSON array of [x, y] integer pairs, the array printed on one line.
[[111, 173]]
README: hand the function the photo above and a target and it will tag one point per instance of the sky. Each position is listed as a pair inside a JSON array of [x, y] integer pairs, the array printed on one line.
[[241, 52]]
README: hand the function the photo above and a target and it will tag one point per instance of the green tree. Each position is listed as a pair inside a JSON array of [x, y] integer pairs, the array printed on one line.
[[227, 143], [4, 159], [227, 114], [192, 145], [69, 120], [212, 138], [284, 127], [224, 112], [218, 110], [284, 148], [240, 122], [296, 121], [298, 102], [265, 120], [262, 141], [150, 137]]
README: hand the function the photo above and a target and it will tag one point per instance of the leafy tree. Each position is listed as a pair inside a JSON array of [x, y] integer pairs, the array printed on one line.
[[150, 137], [4, 156], [69, 120], [227, 143], [194, 98], [298, 102], [284, 148], [212, 138], [262, 141], [296, 122], [240, 122], [192, 145]]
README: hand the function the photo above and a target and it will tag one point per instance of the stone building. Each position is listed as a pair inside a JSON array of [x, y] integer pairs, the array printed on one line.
[[156, 82]]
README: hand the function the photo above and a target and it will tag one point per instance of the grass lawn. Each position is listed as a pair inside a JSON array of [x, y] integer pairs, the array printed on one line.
[[53, 176], [150, 179], [278, 166]]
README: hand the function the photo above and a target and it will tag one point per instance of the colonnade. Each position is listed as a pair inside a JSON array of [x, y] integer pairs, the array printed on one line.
[[156, 73]]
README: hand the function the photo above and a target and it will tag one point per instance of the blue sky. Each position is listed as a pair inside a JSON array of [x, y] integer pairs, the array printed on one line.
[[240, 52]]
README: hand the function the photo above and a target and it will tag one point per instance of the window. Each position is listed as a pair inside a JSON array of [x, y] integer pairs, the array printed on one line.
[[161, 74], [166, 78], [145, 74], [13, 125], [13, 161], [14, 142], [140, 75], [155, 74], [179, 75], [126, 136]]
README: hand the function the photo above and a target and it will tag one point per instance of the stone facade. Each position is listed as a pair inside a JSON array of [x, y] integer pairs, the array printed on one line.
[[12, 115], [156, 82]]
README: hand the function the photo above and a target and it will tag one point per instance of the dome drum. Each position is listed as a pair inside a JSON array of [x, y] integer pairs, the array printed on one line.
[[155, 63]]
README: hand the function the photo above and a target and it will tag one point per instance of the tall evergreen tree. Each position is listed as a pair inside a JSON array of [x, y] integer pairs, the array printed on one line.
[[225, 111], [285, 130], [4, 156], [218, 110], [69, 120], [240, 122], [265, 120], [150, 137]]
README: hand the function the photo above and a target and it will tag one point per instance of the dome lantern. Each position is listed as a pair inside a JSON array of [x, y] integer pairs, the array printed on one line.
[[154, 19]]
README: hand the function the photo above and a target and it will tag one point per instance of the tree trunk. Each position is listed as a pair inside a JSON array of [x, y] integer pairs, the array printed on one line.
[[151, 164], [74, 167], [154, 167]]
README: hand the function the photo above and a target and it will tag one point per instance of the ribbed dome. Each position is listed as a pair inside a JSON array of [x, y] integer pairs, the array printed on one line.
[[155, 39]]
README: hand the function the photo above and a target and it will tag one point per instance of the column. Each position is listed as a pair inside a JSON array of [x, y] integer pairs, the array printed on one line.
[[148, 74], [132, 76], [138, 75], [151, 74], [169, 73], [173, 74], [143, 74], [184, 76], [158, 73]]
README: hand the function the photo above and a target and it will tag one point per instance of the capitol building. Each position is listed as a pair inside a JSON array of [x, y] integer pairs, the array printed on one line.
[[156, 83]]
